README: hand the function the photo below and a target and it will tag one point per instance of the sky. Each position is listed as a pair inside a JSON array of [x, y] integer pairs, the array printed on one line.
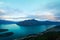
[[17, 10]]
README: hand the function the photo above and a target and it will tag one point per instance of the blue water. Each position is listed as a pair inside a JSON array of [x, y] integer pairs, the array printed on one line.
[[20, 31]]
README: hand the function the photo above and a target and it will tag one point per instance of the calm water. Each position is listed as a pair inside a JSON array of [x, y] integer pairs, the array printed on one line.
[[20, 31]]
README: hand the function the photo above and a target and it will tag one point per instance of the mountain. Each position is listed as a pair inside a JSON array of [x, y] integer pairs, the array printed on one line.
[[6, 22], [34, 22], [29, 23]]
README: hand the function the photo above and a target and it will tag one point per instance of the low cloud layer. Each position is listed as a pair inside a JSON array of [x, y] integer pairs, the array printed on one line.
[[44, 10]]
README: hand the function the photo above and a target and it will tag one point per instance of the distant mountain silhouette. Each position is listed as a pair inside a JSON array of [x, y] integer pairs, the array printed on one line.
[[34, 22], [29, 23], [6, 22]]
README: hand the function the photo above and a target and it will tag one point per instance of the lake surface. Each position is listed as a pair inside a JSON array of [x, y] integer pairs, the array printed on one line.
[[20, 31]]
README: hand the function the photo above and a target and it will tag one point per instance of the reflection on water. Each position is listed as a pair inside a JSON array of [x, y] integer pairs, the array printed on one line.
[[23, 30]]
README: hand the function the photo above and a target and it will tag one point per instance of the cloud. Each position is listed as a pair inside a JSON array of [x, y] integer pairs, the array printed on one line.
[[46, 15], [48, 10], [54, 5], [2, 12], [1, 3], [13, 15]]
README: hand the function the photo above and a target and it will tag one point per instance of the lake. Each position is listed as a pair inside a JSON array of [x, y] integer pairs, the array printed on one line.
[[21, 31]]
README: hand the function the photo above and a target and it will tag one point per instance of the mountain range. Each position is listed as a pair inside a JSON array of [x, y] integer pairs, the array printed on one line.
[[34, 22], [6, 22], [31, 22]]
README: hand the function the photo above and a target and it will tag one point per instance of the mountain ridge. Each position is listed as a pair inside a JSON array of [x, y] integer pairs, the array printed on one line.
[[34, 22], [6, 22]]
